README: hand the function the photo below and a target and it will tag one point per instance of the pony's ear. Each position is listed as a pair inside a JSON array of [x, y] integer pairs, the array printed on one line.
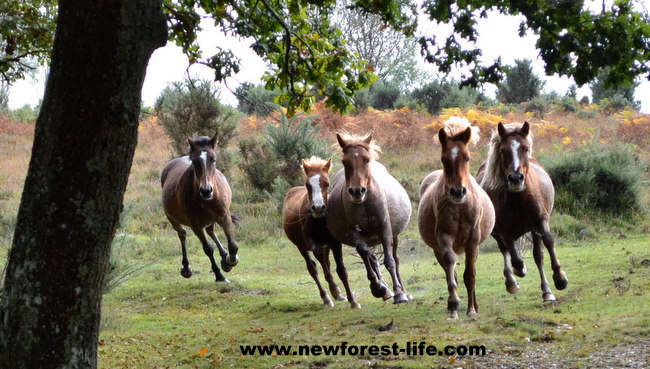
[[214, 140], [341, 141], [466, 136], [525, 129], [368, 139], [190, 142], [502, 130], [328, 165], [442, 136], [303, 164]]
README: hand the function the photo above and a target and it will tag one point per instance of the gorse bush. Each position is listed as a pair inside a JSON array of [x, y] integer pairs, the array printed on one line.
[[592, 181], [192, 107], [278, 155], [255, 99]]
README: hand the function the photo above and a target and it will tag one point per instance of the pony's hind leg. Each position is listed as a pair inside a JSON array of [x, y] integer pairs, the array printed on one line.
[[538, 254], [209, 251], [322, 254], [504, 246], [186, 270], [559, 276], [518, 266], [377, 285], [337, 250], [311, 267], [231, 259]]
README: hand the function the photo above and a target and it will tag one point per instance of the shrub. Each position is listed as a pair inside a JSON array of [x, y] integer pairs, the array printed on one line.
[[593, 180], [259, 162], [384, 95], [569, 104], [192, 107], [438, 95], [292, 140], [255, 99], [521, 84]]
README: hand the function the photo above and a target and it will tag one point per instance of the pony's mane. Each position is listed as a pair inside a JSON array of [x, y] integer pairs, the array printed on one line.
[[492, 179], [358, 140], [455, 125], [315, 160]]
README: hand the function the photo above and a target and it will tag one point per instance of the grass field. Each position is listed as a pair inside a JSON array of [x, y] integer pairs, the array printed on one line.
[[157, 319]]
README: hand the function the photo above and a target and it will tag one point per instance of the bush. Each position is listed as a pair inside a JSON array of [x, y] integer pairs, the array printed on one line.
[[438, 95], [192, 107], [259, 163], [569, 104], [384, 95], [521, 84], [593, 180], [255, 99]]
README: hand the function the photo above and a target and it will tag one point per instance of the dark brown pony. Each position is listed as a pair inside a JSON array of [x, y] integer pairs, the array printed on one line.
[[522, 194], [367, 207], [303, 216], [455, 215], [197, 195]]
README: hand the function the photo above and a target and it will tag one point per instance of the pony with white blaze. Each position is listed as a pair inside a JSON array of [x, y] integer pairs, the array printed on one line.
[[523, 195], [303, 217], [455, 215]]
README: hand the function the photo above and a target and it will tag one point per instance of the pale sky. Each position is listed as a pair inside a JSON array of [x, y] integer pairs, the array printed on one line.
[[498, 37]]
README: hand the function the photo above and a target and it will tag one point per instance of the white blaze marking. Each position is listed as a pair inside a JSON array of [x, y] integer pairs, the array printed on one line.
[[514, 146], [316, 191], [356, 154], [454, 153], [204, 156]]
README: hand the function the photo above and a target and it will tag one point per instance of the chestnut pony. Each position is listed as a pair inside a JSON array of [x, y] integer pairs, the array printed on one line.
[[367, 207], [523, 195], [455, 215], [303, 216], [196, 194]]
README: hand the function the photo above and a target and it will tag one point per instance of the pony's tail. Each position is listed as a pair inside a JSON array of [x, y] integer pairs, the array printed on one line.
[[235, 218], [524, 243]]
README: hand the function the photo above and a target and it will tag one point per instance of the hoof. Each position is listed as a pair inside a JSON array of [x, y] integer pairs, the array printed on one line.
[[228, 262], [453, 315], [519, 272], [409, 296], [472, 314], [223, 279], [340, 297], [186, 272], [512, 288], [328, 303], [562, 283], [387, 295], [548, 297], [400, 298], [355, 305], [380, 291]]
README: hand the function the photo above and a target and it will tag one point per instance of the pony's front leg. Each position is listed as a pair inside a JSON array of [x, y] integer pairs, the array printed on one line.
[[311, 267], [377, 288], [322, 254], [395, 243], [209, 251], [337, 250], [538, 254], [186, 271], [504, 246], [559, 276], [469, 277], [391, 265], [231, 259], [447, 259]]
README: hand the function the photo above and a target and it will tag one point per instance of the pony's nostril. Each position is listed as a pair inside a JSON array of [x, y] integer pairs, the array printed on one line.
[[350, 191], [463, 191], [323, 207], [363, 190], [313, 208]]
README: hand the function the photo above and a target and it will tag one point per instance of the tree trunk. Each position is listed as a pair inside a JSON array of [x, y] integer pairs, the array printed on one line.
[[83, 148]]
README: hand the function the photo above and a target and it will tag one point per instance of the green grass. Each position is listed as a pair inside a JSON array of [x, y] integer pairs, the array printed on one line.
[[159, 319]]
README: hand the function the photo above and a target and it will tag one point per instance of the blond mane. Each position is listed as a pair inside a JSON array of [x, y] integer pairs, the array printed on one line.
[[315, 160], [359, 140], [493, 179], [455, 125]]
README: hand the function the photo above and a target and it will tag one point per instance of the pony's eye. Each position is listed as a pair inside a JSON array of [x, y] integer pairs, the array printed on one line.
[[326, 185], [466, 160], [366, 160]]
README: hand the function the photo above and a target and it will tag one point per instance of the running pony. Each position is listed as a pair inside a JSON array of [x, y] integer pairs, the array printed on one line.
[[367, 207], [455, 215], [196, 194], [523, 195], [303, 216]]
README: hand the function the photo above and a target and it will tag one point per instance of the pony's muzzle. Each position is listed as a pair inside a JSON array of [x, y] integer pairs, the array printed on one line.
[[358, 194], [516, 181], [206, 192], [319, 210], [458, 193]]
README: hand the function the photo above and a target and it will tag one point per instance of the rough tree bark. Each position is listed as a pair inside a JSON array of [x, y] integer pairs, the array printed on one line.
[[83, 148]]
